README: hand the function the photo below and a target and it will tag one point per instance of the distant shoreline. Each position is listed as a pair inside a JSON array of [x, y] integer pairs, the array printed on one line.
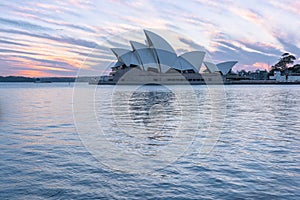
[[22, 79]]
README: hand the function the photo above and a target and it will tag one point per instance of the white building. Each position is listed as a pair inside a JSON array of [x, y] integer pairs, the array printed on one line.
[[158, 55], [288, 78]]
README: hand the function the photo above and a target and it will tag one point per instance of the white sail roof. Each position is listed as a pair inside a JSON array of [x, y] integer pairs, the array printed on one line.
[[158, 42], [225, 67], [195, 58], [119, 51], [211, 67], [134, 59], [137, 45], [165, 54], [182, 64], [125, 56], [144, 54]]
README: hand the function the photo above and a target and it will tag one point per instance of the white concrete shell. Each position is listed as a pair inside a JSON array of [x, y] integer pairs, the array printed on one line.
[[126, 56], [145, 55], [182, 64], [211, 67], [164, 52], [137, 45], [134, 59], [119, 52], [225, 67], [158, 42], [195, 58]]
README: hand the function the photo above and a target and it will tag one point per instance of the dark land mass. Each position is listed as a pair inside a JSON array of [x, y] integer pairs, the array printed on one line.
[[44, 79], [16, 79]]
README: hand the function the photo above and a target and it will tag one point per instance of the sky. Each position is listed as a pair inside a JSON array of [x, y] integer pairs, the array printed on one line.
[[57, 38]]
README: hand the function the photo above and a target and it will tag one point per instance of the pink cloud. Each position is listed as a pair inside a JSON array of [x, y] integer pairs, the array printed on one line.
[[290, 6], [247, 14], [261, 65], [33, 73], [253, 67]]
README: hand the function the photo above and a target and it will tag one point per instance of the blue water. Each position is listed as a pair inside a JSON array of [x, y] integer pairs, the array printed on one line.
[[256, 156]]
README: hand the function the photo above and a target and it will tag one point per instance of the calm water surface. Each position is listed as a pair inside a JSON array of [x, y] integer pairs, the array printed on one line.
[[256, 156]]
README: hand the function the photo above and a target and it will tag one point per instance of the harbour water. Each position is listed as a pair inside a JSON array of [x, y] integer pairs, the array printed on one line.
[[256, 154]]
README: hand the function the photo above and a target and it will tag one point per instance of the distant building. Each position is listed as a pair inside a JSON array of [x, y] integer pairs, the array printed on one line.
[[284, 78], [257, 75]]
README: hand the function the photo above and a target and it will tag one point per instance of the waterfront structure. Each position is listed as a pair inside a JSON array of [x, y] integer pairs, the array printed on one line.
[[284, 78], [158, 56], [157, 62]]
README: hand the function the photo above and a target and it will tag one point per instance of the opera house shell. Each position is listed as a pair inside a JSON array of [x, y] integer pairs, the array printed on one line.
[[156, 62]]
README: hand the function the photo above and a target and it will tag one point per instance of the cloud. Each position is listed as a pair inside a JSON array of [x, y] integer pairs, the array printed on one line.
[[63, 39], [264, 48], [16, 51], [74, 41], [27, 11], [83, 4], [290, 47], [62, 23], [20, 63], [193, 45], [287, 5], [244, 57], [261, 65], [214, 4], [60, 64], [12, 43], [95, 54], [57, 9], [248, 14], [23, 24]]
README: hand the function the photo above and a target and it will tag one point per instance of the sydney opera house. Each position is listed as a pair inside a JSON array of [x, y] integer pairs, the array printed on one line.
[[156, 62]]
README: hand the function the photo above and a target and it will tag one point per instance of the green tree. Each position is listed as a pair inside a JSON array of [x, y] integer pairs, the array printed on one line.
[[284, 62], [295, 68]]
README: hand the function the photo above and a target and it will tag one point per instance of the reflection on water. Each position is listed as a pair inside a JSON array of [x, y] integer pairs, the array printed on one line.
[[151, 119], [257, 154], [151, 108], [146, 127]]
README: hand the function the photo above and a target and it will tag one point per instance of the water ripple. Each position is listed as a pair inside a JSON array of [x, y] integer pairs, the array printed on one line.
[[256, 157]]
